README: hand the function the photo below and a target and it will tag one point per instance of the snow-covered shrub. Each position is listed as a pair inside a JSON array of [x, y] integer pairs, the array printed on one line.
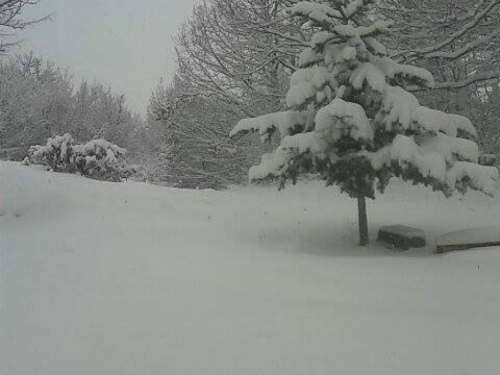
[[97, 159], [58, 153], [100, 159]]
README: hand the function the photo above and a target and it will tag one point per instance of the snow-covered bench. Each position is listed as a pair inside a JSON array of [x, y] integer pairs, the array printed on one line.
[[469, 238], [401, 236]]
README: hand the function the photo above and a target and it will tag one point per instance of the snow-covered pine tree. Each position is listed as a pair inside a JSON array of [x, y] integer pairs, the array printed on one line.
[[352, 121]]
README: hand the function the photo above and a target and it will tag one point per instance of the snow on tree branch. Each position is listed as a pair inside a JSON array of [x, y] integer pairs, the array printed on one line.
[[364, 120], [288, 122]]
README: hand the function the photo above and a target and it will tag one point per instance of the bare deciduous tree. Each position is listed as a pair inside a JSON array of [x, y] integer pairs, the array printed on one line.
[[457, 40], [234, 60], [11, 20]]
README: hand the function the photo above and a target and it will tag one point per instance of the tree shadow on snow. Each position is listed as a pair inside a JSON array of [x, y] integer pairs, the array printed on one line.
[[331, 240]]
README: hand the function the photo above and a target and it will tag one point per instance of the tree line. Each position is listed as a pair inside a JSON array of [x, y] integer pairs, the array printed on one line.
[[38, 100], [235, 59]]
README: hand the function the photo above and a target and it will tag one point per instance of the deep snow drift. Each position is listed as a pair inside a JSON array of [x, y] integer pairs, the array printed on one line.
[[108, 278]]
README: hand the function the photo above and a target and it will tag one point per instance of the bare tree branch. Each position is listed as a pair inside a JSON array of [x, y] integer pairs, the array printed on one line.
[[11, 20]]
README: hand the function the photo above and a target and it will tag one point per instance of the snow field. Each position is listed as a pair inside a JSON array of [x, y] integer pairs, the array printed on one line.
[[108, 278]]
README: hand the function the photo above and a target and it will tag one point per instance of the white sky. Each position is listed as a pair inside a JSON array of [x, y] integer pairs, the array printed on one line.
[[126, 44]]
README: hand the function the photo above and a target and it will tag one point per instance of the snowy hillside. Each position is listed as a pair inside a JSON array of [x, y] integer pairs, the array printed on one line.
[[108, 278]]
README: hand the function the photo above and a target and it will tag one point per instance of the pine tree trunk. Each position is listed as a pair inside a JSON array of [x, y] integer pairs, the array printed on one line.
[[362, 221]]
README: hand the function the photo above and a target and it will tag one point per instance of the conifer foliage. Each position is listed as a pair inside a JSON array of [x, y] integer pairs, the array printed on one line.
[[352, 120]]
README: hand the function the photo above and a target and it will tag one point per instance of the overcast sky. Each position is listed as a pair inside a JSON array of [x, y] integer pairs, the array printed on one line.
[[126, 44]]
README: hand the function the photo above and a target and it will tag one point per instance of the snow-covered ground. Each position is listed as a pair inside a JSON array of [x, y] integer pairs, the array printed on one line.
[[108, 278]]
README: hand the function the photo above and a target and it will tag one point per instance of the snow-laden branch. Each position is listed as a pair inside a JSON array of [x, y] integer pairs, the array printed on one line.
[[460, 84]]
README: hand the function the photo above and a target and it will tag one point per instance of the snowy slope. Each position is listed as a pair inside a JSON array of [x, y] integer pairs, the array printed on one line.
[[105, 278]]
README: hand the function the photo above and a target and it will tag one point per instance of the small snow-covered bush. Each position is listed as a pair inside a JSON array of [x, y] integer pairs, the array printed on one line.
[[97, 159], [100, 159], [58, 153]]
